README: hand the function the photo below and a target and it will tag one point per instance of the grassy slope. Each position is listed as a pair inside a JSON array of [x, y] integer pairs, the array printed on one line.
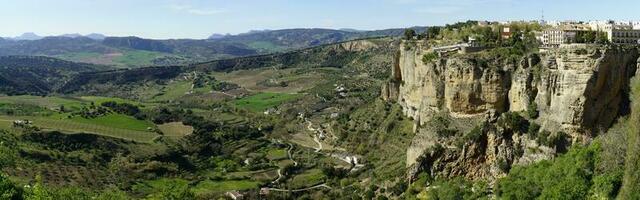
[[173, 91], [117, 121], [113, 125], [48, 102], [307, 179], [631, 182], [99, 127]]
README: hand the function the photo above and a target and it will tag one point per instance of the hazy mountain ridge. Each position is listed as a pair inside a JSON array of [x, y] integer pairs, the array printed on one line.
[[137, 52]]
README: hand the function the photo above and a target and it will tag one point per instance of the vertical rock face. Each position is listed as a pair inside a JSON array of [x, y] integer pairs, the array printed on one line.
[[583, 90], [577, 89], [462, 86]]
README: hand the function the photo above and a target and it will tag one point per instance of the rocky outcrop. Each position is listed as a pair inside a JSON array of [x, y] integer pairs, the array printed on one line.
[[489, 155], [577, 89]]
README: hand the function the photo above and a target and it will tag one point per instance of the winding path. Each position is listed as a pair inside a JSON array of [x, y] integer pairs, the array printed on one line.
[[315, 135], [295, 163]]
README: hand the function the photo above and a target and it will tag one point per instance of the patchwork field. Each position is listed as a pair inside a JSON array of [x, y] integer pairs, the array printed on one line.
[[293, 80]]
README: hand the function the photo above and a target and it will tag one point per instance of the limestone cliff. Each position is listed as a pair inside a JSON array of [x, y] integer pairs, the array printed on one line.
[[577, 89]]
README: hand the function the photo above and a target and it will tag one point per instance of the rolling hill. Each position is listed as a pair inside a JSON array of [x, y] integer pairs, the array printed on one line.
[[38, 75], [133, 52]]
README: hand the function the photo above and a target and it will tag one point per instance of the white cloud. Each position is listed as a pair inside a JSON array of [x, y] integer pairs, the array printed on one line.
[[195, 11]]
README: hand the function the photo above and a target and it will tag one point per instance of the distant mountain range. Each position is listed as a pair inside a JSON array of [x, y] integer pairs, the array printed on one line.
[[33, 36], [135, 52]]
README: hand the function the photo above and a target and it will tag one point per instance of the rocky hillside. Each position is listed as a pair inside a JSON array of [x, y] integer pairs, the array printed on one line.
[[332, 55], [579, 90]]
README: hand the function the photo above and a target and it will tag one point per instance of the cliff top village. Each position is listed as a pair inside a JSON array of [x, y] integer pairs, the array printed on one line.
[[555, 33]]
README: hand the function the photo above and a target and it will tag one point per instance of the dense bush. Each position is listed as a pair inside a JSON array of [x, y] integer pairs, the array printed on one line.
[[533, 130], [122, 108], [515, 122], [532, 110], [428, 57], [457, 188], [409, 34], [9, 190], [570, 176]]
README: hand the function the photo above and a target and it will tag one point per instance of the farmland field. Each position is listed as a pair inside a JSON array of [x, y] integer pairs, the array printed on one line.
[[48, 102], [263, 101], [117, 121], [175, 129], [277, 154], [308, 178], [173, 91], [209, 186], [99, 100], [295, 81], [86, 126]]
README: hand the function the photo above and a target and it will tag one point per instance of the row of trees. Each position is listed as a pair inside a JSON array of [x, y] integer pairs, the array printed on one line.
[[593, 37]]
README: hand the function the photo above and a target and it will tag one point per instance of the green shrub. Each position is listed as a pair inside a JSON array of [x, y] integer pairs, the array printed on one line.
[[558, 140], [515, 122], [429, 57], [567, 177], [9, 190], [409, 34], [543, 138], [475, 134], [608, 184], [533, 130], [458, 188], [532, 110]]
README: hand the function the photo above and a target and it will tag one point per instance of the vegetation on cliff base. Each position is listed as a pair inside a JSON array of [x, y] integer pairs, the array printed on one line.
[[594, 171], [631, 181]]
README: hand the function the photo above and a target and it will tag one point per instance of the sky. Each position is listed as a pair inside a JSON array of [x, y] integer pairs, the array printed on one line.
[[163, 19]]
